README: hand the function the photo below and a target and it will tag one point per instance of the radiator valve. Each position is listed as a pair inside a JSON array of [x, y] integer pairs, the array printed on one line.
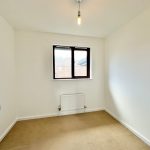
[[59, 108], [85, 106]]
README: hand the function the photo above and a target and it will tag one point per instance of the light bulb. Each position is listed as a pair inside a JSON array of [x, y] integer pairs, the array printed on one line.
[[79, 20]]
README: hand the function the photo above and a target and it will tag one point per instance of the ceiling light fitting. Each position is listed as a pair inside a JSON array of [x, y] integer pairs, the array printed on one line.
[[79, 20]]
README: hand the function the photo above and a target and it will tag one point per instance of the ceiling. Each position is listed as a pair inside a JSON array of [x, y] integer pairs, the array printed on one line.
[[99, 17]]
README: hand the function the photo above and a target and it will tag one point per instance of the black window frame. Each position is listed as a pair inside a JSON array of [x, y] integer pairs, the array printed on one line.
[[73, 48]]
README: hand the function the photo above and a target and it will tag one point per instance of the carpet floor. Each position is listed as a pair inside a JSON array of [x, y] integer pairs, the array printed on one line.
[[88, 131]]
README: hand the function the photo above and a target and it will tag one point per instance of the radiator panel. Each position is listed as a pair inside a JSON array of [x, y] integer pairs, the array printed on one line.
[[73, 101]]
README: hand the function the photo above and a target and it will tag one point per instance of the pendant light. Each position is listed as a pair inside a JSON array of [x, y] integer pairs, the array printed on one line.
[[79, 20]]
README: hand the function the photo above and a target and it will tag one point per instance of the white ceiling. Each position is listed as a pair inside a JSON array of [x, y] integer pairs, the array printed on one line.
[[100, 17]]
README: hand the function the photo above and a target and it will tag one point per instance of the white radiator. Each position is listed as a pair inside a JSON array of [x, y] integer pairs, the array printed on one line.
[[73, 101]]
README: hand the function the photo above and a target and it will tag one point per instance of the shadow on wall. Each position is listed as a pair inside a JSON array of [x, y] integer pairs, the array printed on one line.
[[113, 98]]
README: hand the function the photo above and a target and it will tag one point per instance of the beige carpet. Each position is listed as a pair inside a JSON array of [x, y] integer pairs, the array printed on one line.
[[90, 131]]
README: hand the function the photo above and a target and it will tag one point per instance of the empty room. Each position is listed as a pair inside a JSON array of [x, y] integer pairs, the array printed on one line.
[[74, 74]]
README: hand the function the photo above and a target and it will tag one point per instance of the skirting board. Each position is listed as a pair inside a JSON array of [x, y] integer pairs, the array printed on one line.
[[58, 114], [145, 140], [79, 111], [7, 130]]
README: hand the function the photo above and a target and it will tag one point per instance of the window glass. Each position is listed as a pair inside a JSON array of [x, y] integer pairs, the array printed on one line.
[[80, 63], [62, 63]]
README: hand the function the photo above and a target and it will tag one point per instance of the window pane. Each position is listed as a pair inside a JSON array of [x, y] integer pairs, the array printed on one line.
[[62, 63], [80, 58]]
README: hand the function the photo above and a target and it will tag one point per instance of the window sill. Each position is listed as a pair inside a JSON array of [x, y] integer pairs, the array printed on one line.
[[73, 79]]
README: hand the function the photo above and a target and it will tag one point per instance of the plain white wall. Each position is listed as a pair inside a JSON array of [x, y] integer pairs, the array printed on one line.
[[38, 93], [128, 74], [7, 76]]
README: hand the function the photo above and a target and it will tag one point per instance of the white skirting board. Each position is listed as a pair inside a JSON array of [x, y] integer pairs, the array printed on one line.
[[59, 114], [7, 130], [78, 111], [144, 139]]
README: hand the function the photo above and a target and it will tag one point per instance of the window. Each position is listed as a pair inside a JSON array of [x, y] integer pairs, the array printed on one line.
[[71, 62]]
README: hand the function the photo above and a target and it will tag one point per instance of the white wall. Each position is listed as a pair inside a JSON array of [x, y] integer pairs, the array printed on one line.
[[38, 94], [7, 77], [128, 74]]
